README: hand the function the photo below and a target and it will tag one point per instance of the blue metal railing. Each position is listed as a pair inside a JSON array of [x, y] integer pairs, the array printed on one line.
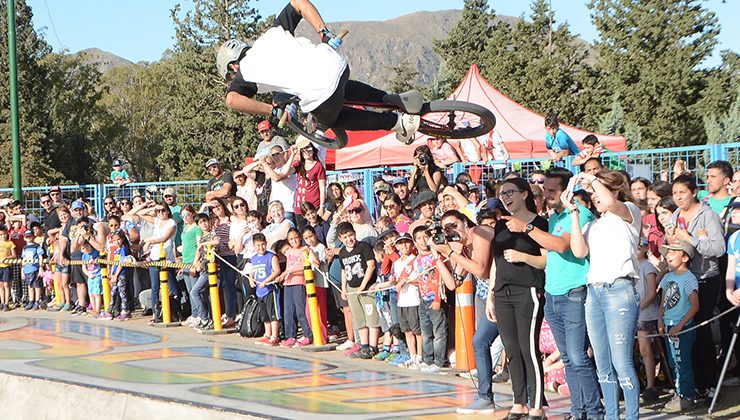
[[645, 163]]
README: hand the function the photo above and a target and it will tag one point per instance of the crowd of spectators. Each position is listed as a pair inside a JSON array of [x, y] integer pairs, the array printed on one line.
[[567, 269]]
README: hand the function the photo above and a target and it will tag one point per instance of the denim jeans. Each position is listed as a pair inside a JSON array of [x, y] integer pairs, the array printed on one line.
[[171, 283], [189, 280], [199, 297], [611, 317], [227, 283], [433, 333], [566, 315], [679, 357], [294, 306], [485, 334]]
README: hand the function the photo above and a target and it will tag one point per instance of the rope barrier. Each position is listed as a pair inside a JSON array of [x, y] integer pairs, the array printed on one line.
[[139, 264], [699, 325]]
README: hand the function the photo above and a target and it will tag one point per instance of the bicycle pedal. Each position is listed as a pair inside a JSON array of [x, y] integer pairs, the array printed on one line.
[[310, 124]]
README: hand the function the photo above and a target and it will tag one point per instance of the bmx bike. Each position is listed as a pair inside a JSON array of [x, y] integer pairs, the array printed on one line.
[[440, 119]]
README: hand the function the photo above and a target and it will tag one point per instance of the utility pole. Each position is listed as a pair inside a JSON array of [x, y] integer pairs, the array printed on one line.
[[14, 120]]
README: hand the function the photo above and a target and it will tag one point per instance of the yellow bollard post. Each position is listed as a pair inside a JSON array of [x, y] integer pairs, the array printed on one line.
[[164, 290], [106, 284], [313, 302], [213, 289], [57, 279]]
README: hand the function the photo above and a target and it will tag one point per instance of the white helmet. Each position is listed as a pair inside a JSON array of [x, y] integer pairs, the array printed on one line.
[[229, 52]]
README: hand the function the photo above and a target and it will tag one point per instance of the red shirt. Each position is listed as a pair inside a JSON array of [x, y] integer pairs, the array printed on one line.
[[308, 187], [16, 236]]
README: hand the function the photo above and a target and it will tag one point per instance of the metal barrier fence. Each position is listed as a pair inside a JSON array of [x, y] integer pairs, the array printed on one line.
[[645, 163]]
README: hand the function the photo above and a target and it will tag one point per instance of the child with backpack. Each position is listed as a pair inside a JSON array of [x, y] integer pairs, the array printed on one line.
[[265, 270]]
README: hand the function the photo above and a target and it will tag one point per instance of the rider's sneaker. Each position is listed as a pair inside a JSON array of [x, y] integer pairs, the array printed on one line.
[[406, 127], [410, 101]]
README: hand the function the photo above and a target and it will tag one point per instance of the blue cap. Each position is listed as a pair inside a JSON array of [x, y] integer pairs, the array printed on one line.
[[77, 204], [28, 232], [400, 180], [493, 204]]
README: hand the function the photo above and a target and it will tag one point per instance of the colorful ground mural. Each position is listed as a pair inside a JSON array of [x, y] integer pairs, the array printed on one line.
[[229, 373]]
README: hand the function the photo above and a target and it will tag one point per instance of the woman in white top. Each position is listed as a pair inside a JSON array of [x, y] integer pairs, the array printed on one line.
[[279, 225], [612, 303], [279, 168], [161, 239]]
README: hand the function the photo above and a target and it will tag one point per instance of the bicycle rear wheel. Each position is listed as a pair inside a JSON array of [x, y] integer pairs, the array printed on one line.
[[455, 119]]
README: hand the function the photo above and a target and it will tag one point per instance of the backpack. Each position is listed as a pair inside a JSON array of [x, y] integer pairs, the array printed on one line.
[[250, 323]]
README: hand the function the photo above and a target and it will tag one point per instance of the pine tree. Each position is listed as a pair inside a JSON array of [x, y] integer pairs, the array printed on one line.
[[649, 52], [404, 77], [36, 162], [540, 64], [199, 125], [464, 45]]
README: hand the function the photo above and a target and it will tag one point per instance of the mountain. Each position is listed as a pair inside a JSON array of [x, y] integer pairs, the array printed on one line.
[[373, 48], [104, 60]]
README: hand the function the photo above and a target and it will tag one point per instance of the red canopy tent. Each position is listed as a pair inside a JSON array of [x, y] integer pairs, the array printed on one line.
[[522, 130]]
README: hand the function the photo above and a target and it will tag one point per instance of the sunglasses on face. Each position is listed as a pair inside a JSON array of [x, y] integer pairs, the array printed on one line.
[[537, 181], [159, 210], [390, 206], [239, 206], [109, 203]]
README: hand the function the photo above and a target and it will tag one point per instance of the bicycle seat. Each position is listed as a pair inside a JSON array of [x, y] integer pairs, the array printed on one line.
[[409, 102]]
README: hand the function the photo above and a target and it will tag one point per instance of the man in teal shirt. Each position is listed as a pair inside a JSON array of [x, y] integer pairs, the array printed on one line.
[[565, 297], [170, 198], [717, 195]]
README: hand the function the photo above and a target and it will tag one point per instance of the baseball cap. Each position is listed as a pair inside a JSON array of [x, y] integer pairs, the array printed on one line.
[[400, 180], [386, 232], [423, 197], [382, 187], [684, 246], [117, 162], [302, 142], [494, 203], [169, 191], [212, 161], [735, 204], [77, 204], [403, 237], [472, 186], [28, 232], [55, 188], [263, 125]]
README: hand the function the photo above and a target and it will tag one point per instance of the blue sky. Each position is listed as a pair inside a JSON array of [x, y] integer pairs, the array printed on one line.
[[142, 29]]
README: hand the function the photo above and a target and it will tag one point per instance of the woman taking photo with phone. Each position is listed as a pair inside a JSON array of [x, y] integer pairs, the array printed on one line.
[[611, 302]]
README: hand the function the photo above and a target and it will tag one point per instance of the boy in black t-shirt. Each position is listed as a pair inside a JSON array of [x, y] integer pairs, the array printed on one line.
[[358, 274]]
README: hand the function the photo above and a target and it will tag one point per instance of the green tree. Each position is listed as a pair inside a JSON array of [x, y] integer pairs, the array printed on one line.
[[35, 157], [74, 135], [649, 53], [726, 127], [543, 66], [199, 125], [136, 101], [463, 46], [404, 77]]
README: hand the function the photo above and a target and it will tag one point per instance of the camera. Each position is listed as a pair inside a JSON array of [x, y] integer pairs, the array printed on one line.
[[423, 159], [438, 234]]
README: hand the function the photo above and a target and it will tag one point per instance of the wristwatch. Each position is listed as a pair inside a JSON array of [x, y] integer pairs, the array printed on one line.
[[528, 228]]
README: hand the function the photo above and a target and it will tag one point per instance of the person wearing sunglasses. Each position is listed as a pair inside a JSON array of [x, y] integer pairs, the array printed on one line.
[[311, 180], [49, 213], [162, 238]]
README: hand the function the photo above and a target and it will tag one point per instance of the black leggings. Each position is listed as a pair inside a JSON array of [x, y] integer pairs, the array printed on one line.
[[519, 312], [333, 113], [705, 352]]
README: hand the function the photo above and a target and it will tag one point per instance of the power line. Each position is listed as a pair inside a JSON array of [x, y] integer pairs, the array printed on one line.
[[53, 27]]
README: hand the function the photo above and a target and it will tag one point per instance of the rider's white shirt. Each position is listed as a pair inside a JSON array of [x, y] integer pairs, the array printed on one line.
[[280, 62]]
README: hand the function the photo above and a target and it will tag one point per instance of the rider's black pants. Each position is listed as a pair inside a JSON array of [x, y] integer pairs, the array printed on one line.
[[333, 113]]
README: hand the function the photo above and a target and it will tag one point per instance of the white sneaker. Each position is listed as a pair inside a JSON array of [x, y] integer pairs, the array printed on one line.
[[406, 127], [346, 345], [433, 369]]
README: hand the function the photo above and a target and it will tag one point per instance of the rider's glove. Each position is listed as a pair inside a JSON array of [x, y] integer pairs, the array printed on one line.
[[291, 109], [328, 37]]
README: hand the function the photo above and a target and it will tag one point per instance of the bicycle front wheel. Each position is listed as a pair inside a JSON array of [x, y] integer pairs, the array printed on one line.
[[455, 119]]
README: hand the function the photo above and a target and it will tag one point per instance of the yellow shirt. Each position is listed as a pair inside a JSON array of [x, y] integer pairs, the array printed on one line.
[[7, 250]]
